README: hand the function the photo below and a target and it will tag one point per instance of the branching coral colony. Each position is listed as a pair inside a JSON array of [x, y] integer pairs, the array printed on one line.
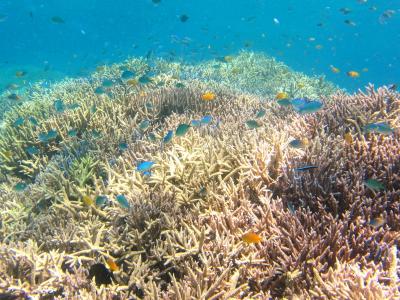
[[170, 181]]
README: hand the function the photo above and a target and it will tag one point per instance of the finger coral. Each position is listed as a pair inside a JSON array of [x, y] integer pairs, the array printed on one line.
[[105, 196]]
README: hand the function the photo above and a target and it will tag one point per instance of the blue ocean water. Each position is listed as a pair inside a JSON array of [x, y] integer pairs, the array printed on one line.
[[54, 38]]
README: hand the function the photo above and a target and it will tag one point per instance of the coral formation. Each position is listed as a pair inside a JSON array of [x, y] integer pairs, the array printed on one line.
[[175, 228]]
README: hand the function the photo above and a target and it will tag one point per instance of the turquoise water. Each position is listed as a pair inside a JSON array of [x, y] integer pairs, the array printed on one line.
[[307, 35]]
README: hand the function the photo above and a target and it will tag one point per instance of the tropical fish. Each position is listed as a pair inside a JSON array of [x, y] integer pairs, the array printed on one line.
[[101, 200], [348, 138], [20, 74], [374, 184], [144, 124], [281, 96], [112, 265], [132, 82], [152, 137], [291, 207], [183, 18], [305, 168], [208, 96], [20, 186], [377, 222], [32, 150], [59, 106], [206, 119], [18, 122], [145, 166], [73, 106], [144, 79], [284, 102], [107, 83], [168, 137], [334, 69], [127, 75], [381, 127], [122, 146], [179, 85], [57, 20], [195, 123], [304, 106], [12, 86], [251, 238], [252, 124], [87, 200], [123, 201], [96, 134], [72, 133], [33, 121], [14, 97], [182, 129], [261, 113], [99, 90], [47, 136], [353, 74], [299, 143]]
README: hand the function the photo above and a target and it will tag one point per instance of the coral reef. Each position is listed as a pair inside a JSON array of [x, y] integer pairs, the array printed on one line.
[[175, 230]]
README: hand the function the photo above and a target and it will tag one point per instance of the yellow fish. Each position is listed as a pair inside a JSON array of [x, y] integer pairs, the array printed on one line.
[[353, 74], [112, 265], [20, 74], [228, 58], [251, 238], [208, 96], [132, 82], [281, 96], [87, 200]]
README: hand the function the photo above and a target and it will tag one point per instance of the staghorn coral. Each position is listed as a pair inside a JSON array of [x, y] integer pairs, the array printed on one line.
[[181, 236]]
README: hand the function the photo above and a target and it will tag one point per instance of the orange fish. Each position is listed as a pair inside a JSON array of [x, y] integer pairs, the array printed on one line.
[[281, 96], [353, 74], [251, 238], [112, 265], [334, 69], [348, 138], [208, 96]]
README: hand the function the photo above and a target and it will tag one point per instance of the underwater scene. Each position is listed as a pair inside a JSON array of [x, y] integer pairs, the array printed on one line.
[[169, 149]]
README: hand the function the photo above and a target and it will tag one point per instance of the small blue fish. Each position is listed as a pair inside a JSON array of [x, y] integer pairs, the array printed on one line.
[[59, 106], [101, 200], [96, 134], [32, 150], [123, 146], [127, 75], [73, 106], [107, 83], [42, 137], [72, 133], [147, 173], [381, 127], [33, 121], [206, 119], [99, 90], [20, 186], [252, 124], [168, 137], [195, 123], [145, 166], [18, 122], [303, 106], [149, 106], [52, 134], [144, 124], [306, 168], [179, 85], [291, 207], [182, 129], [123, 201], [93, 109], [144, 79], [261, 113], [152, 137], [284, 102]]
